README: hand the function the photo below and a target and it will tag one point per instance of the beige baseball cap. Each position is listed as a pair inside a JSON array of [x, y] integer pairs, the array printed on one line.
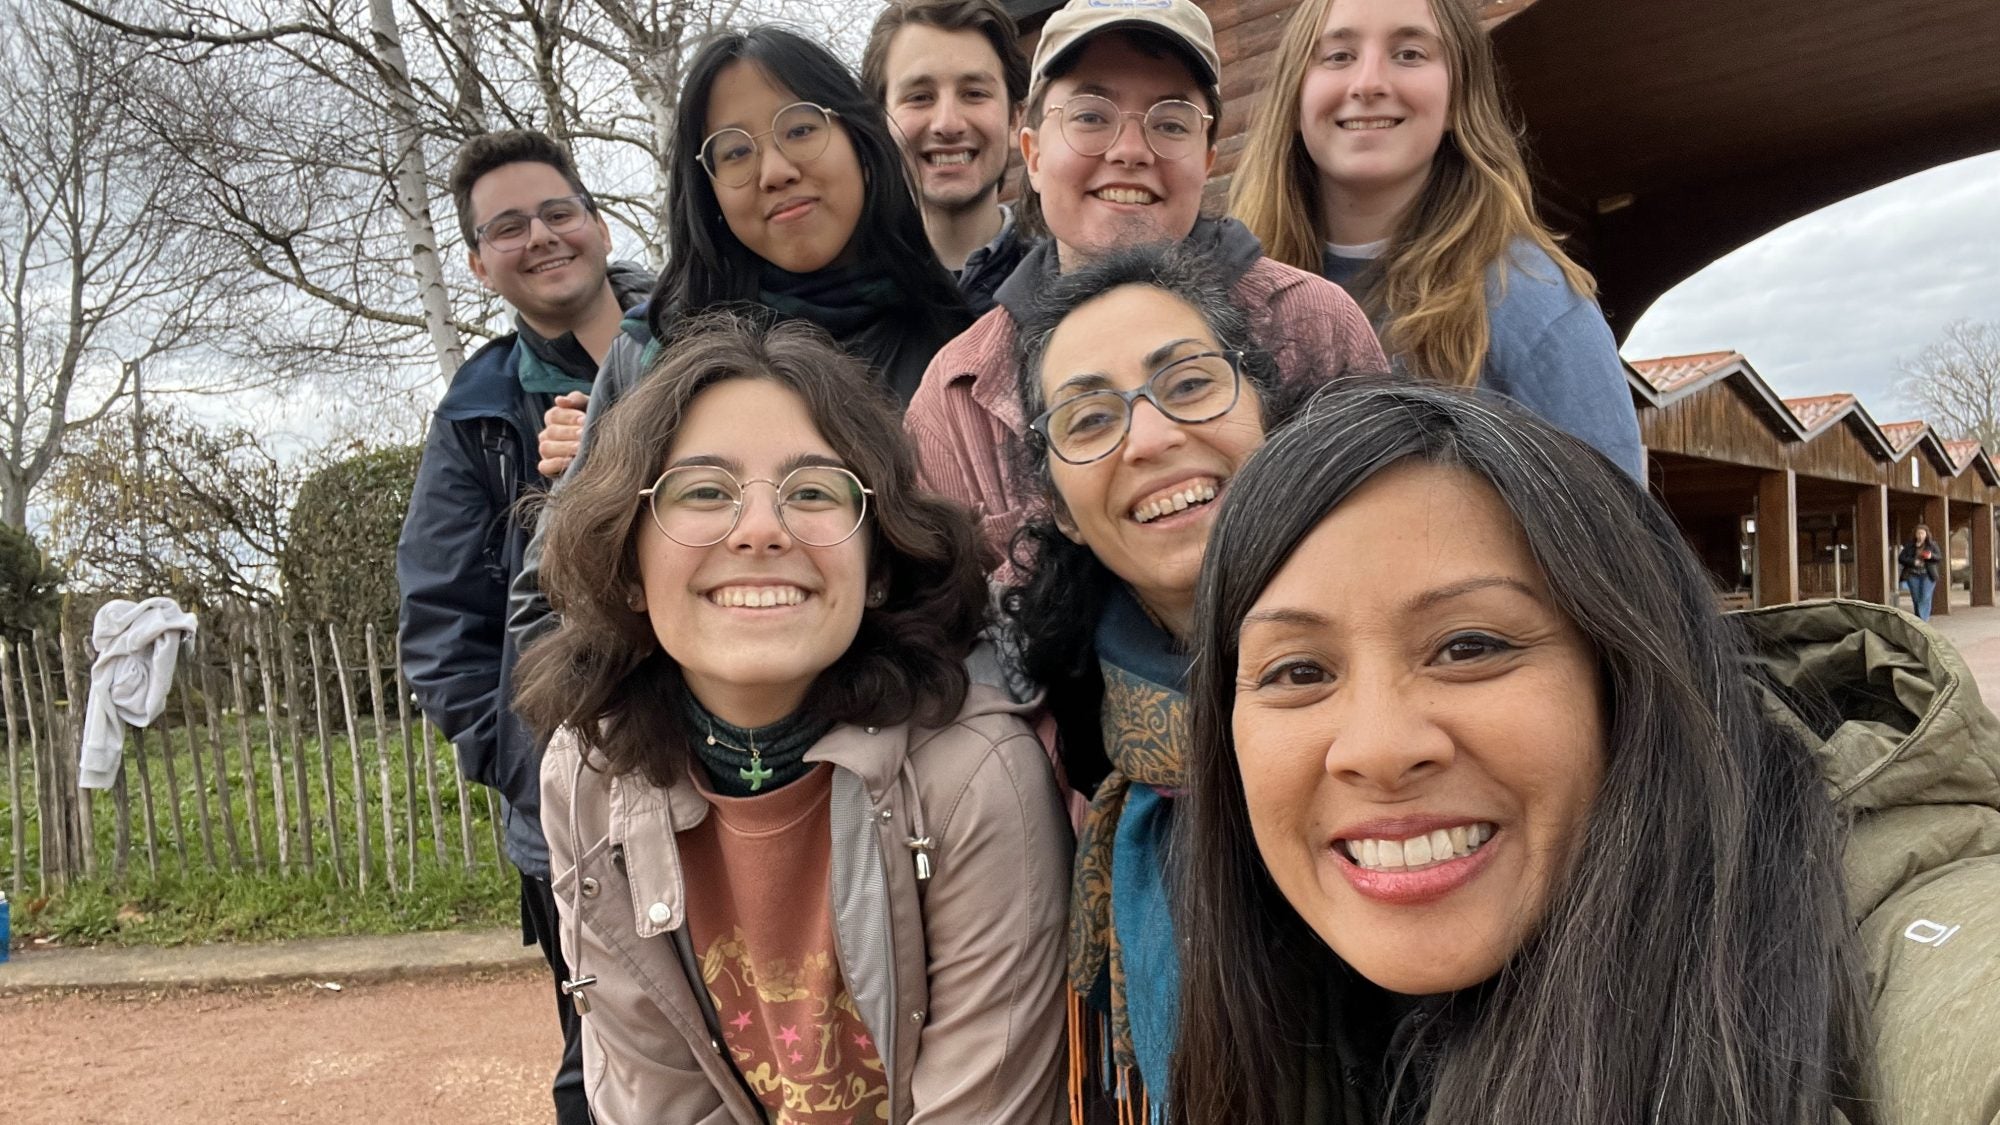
[[1180, 21]]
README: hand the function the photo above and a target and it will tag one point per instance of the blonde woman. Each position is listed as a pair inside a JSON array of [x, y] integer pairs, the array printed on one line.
[[1387, 162]]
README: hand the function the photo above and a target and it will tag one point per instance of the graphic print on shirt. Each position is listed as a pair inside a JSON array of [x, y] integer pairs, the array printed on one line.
[[796, 1036]]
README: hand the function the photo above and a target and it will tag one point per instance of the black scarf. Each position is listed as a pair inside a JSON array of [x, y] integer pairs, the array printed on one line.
[[841, 299], [724, 749]]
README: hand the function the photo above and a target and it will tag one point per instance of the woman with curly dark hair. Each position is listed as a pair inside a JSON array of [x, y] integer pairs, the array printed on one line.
[[805, 871], [1144, 395]]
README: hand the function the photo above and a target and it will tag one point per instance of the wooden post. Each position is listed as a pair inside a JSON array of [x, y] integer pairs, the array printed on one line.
[[301, 777], [46, 840], [57, 767], [15, 812], [499, 833], [212, 714], [194, 756], [403, 742], [1937, 514], [146, 801], [1874, 552], [382, 755], [73, 715], [326, 757], [361, 842], [1981, 559], [252, 802], [278, 802], [429, 759], [464, 796], [121, 801], [1777, 538]]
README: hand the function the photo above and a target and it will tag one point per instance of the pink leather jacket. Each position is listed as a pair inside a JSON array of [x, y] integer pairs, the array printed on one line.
[[950, 884]]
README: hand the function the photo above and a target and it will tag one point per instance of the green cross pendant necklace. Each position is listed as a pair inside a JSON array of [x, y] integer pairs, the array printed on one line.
[[756, 775]]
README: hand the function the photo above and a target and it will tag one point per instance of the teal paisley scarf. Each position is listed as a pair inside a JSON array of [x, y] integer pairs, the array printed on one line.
[[1121, 942]]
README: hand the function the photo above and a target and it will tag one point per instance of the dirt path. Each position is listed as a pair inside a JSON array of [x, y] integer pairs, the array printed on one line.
[[465, 1051]]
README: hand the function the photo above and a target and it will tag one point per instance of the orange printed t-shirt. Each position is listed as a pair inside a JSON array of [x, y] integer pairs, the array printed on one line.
[[757, 870]]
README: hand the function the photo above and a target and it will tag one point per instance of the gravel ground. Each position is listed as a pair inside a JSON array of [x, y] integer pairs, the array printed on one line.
[[465, 1051]]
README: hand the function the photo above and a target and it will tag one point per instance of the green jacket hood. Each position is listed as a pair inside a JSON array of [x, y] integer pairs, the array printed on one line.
[[1892, 713]]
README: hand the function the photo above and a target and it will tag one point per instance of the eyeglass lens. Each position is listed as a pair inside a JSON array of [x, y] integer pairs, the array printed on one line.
[[1091, 126], [1199, 388], [510, 231], [800, 131], [698, 506]]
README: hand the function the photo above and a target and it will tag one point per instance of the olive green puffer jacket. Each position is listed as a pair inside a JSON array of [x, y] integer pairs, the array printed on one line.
[[1915, 758]]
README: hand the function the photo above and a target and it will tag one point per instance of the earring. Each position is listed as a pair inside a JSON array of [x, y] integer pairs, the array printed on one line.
[[635, 601], [876, 596]]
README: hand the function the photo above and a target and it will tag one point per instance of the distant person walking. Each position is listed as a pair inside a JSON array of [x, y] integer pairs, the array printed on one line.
[[1918, 570]]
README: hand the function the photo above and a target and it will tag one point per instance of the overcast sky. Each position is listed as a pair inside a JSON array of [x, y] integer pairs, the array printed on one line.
[[1834, 301]]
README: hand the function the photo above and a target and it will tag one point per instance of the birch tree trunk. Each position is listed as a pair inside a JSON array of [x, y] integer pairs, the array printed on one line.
[[413, 208]]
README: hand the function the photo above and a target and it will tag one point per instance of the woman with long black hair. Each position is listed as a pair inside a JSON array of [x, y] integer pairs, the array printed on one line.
[[1516, 832], [788, 199]]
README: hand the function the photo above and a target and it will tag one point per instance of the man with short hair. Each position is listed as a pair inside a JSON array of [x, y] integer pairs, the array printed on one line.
[[534, 236], [951, 75]]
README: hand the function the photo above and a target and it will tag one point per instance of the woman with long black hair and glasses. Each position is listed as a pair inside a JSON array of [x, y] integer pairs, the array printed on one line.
[[788, 198]]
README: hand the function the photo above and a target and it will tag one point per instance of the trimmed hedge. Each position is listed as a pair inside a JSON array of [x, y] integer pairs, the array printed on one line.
[[339, 562]]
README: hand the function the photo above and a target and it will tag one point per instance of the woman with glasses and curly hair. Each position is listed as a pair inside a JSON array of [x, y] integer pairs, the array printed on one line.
[[805, 871], [1524, 834], [1144, 396], [1386, 160]]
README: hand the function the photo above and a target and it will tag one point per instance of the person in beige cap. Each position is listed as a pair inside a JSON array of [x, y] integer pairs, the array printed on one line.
[[1118, 139]]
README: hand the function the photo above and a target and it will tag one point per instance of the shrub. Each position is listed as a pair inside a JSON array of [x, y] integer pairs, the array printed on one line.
[[339, 560], [28, 581]]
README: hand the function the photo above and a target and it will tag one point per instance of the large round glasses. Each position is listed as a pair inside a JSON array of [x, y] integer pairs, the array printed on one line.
[[1173, 128], [1090, 426], [800, 131], [698, 505]]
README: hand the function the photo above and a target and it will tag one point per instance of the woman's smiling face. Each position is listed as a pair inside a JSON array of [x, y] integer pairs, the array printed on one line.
[[1146, 508], [1420, 731], [749, 657], [1376, 99], [797, 215]]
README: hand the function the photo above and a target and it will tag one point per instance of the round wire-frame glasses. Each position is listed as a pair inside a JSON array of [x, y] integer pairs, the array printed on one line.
[[1091, 125], [800, 130], [700, 505], [1192, 389]]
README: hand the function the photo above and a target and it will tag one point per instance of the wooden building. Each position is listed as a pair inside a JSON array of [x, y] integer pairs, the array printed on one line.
[[1806, 497]]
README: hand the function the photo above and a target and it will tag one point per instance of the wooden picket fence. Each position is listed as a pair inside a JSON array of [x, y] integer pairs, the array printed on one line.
[[283, 751]]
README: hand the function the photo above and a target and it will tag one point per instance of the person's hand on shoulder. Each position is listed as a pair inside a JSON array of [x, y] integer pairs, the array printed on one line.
[[562, 429]]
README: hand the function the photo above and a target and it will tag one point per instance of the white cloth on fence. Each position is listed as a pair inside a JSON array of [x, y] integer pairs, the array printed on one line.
[[137, 644]]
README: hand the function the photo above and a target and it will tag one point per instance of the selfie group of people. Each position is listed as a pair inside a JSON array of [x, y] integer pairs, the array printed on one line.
[[1114, 657]]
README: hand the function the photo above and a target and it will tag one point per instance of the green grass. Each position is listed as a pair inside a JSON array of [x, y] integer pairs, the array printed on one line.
[[191, 900], [176, 909]]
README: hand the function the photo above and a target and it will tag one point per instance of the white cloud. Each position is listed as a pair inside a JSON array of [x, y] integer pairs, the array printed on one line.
[[1836, 300]]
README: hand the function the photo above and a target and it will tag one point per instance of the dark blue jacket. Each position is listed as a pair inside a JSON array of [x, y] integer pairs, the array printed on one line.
[[462, 543]]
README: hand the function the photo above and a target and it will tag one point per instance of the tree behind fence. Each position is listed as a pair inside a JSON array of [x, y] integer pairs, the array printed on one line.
[[284, 750]]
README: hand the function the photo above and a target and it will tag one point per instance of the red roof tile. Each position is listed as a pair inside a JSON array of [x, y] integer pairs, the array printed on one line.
[[1902, 435], [1814, 411], [1962, 453], [1671, 373]]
